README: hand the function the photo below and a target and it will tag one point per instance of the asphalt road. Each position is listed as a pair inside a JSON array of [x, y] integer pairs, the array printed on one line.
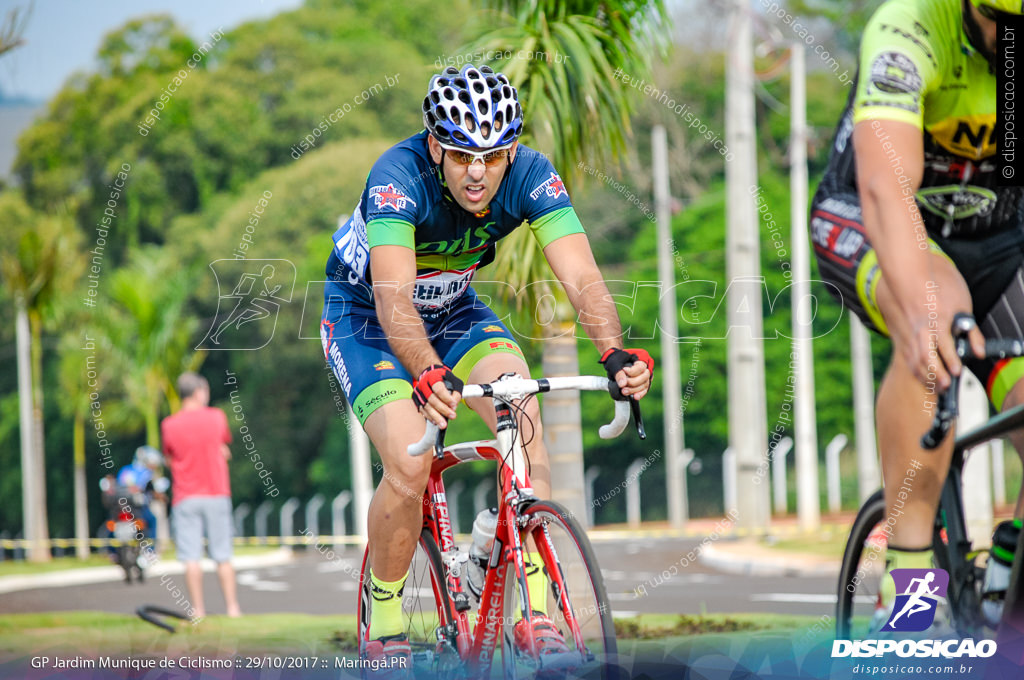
[[311, 584]]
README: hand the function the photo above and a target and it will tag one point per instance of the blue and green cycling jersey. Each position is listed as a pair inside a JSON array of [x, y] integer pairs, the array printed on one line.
[[404, 203]]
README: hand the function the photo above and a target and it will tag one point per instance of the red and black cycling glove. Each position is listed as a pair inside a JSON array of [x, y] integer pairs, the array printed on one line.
[[615, 359], [423, 387]]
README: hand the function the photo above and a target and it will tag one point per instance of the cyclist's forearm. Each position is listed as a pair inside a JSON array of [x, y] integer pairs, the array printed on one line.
[[897, 235], [405, 332], [596, 312]]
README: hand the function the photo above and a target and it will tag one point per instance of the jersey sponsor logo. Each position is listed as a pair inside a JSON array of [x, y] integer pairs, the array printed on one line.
[[952, 201], [383, 365], [838, 241], [438, 289], [340, 369], [895, 73], [971, 137], [911, 38], [492, 329], [373, 402], [389, 197], [552, 186], [844, 209], [505, 345]]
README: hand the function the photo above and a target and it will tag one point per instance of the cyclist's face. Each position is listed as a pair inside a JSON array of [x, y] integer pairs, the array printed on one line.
[[472, 183]]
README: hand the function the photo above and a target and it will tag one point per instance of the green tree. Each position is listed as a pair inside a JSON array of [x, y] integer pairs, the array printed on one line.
[[147, 333], [39, 259], [74, 385], [576, 108]]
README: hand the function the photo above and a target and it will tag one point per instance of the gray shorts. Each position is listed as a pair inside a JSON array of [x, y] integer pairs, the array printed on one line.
[[199, 516]]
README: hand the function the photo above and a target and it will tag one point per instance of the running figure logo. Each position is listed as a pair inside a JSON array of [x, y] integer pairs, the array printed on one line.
[[918, 593], [252, 306]]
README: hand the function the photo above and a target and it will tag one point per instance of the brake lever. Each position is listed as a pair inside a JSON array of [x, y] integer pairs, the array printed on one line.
[[439, 443], [638, 419], [947, 406]]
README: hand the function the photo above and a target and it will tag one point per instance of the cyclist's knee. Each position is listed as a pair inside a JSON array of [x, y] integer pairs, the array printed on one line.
[[407, 474]]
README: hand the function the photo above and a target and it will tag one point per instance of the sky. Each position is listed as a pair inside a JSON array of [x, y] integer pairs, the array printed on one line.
[[63, 36]]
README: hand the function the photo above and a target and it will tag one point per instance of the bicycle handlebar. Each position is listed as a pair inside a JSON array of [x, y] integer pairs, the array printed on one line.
[[515, 387], [948, 402]]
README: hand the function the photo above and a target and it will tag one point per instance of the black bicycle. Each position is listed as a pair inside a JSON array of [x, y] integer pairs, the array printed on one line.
[[859, 602]]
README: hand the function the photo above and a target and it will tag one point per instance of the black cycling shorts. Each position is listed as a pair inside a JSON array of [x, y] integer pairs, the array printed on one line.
[[992, 266]]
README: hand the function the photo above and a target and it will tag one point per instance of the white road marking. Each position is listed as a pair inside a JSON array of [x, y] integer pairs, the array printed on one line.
[[808, 598], [252, 580]]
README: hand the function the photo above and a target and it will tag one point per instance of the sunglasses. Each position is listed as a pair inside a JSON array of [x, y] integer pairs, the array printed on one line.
[[489, 158]]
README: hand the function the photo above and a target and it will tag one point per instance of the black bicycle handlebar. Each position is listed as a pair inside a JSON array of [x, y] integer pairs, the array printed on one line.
[[947, 406]]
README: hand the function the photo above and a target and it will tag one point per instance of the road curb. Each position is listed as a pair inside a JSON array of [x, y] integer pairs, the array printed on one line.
[[762, 565], [87, 575]]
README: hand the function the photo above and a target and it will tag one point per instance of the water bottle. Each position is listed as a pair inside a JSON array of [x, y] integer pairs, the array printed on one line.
[[484, 527], [997, 573]]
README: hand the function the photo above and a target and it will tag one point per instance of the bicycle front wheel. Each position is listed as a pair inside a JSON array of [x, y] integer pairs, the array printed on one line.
[[859, 602], [574, 599]]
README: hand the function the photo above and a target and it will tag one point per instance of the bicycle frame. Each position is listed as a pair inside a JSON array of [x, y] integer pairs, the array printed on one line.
[[962, 591], [516, 492]]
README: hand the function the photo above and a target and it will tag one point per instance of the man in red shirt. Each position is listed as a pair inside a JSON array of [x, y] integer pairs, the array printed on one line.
[[196, 445]]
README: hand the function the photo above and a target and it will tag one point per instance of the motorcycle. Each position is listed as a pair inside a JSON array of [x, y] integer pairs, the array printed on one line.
[[127, 527]]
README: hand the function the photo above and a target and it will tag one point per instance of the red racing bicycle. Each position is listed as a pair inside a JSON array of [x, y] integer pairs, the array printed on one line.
[[437, 608]]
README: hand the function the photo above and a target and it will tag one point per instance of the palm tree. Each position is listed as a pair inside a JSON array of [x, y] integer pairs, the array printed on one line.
[[576, 108], [74, 384], [146, 334], [40, 259], [13, 27]]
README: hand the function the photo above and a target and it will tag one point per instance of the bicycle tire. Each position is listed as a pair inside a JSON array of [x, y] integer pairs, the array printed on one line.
[[418, 625], [870, 515], [585, 588]]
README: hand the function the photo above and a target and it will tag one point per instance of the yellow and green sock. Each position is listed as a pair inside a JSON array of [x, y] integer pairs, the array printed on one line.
[[386, 612], [536, 583]]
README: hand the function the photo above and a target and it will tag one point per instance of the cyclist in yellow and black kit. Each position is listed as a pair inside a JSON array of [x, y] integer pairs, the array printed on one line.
[[911, 226]]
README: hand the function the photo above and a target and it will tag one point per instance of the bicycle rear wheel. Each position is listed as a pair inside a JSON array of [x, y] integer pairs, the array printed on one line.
[[576, 600], [860, 576], [426, 607]]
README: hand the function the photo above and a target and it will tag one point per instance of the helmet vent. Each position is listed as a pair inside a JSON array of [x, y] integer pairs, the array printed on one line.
[[472, 107]]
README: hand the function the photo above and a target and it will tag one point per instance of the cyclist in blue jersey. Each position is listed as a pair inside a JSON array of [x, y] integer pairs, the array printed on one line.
[[401, 319]]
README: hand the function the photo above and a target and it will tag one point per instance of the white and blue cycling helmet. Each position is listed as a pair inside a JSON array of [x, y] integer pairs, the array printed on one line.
[[474, 108]]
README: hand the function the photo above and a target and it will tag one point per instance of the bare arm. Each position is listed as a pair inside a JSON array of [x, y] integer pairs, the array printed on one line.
[[573, 264], [394, 275], [890, 164], [225, 451]]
